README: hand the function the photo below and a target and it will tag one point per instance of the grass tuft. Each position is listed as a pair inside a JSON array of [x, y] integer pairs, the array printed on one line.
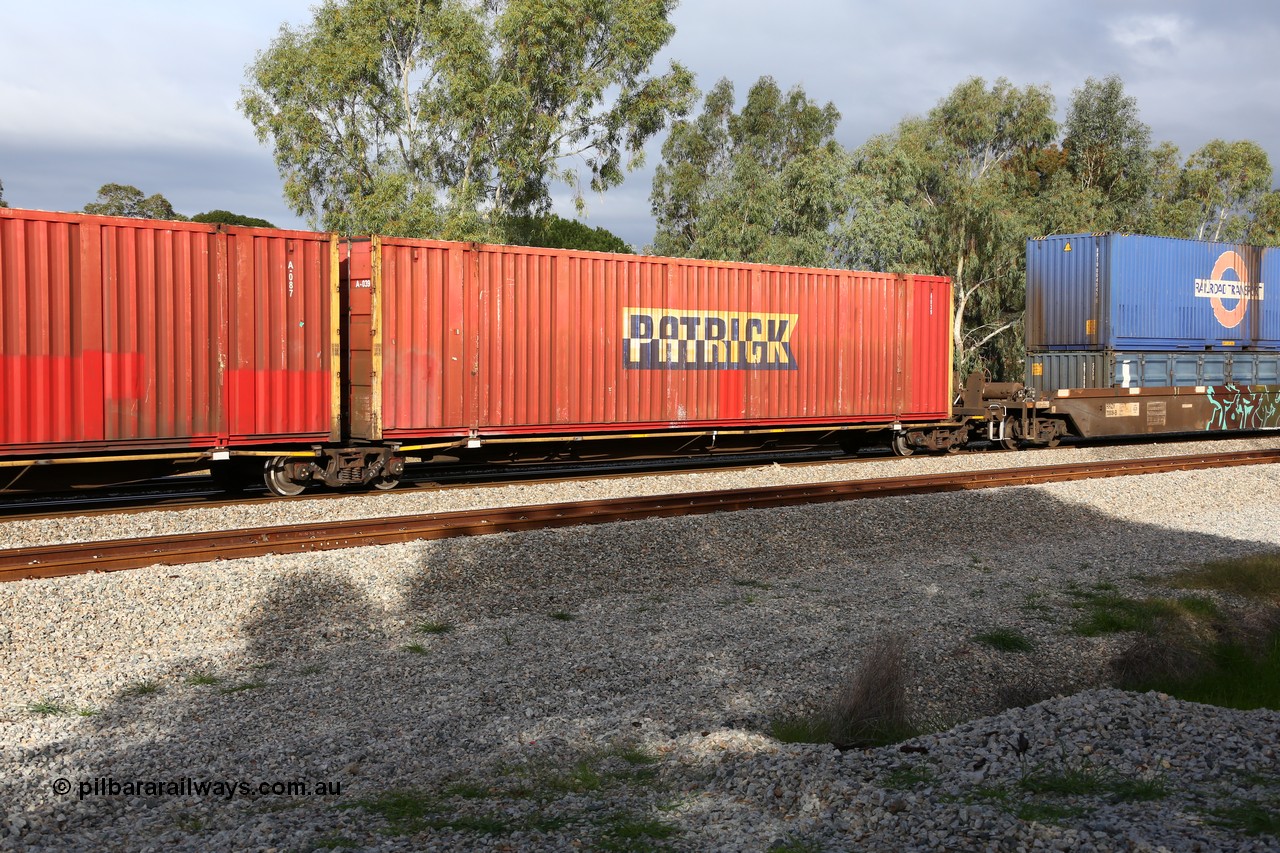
[[1194, 651], [247, 685], [141, 688], [1250, 817], [202, 679], [1005, 640], [871, 709], [908, 776], [562, 616], [48, 708], [1256, 577], [434, 627]]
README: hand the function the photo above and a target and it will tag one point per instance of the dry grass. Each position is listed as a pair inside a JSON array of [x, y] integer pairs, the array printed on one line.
[[870, 710]]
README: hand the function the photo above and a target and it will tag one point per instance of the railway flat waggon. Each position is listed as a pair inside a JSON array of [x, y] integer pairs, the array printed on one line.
[[457, 346], [1136, 335]]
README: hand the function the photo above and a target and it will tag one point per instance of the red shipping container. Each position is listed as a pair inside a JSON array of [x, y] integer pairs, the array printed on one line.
[[141, 335], [456, 339]]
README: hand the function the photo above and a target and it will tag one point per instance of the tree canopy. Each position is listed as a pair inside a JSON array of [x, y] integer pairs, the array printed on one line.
[[955, 192], [226, 217], [443, 117], [128, 200], [949, 194], [556, 232], [765, 184], [3, 203]]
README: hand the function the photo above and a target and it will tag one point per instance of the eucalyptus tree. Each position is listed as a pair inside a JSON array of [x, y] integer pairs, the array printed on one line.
[[1224, 180], [764, 184], [1108, 154], [948, 194], [444, 117], [128, 200]]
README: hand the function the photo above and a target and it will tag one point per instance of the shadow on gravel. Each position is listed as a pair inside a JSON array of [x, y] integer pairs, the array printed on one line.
[[546, 647]]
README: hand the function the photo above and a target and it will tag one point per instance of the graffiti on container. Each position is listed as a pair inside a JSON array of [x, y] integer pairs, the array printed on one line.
[[1236, 407], [680, 339]]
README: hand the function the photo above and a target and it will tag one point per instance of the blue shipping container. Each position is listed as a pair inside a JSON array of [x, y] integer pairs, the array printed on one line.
[[1133, 292], [1049, 371]]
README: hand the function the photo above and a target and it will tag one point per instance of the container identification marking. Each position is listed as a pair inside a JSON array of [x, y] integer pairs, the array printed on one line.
[[1123, 410], [1217, 288], [681, 339]]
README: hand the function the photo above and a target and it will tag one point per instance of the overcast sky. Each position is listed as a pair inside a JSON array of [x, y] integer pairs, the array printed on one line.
[[144, 93]]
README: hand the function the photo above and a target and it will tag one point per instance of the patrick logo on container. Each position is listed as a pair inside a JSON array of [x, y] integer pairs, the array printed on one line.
[[1220, 289], [679, 339]]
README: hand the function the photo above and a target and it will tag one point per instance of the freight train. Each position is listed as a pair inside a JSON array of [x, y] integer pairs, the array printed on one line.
[[133, 348]]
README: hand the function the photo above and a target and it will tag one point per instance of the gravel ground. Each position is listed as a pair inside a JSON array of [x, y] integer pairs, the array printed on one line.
[[610, 687]]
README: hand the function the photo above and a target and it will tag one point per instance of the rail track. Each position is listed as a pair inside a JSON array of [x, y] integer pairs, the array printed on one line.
[[68, 559]]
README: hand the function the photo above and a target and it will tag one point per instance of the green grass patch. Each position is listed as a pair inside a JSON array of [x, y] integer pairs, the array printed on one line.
[[1005, 640], [434, 628], [416, 649], [467, 791], [248, 685], [202, 679], [1105, 612], [636, 755], [1232, 676], [1083, 781], [49, 708], [562, 616], [908, 776], [406, 812], [1250, 817], [1256, 577], [1041, 812], [141, 688], [582, 778], [632, 833], [1044, 795]]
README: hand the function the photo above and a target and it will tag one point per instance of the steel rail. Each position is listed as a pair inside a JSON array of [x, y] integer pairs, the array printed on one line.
[[114, 555]]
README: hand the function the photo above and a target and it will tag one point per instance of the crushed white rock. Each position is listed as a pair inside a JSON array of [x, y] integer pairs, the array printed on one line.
[[684, 638]]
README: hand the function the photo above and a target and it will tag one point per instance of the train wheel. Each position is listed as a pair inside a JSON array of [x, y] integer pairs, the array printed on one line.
[[386, 484], [278, 479], [1009, 442], [902, 447]]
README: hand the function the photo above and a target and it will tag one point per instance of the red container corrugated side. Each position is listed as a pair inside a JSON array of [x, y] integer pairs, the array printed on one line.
[[453, 339], [139, 334]]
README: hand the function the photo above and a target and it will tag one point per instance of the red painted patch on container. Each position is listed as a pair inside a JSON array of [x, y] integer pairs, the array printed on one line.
[[278, 402]]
